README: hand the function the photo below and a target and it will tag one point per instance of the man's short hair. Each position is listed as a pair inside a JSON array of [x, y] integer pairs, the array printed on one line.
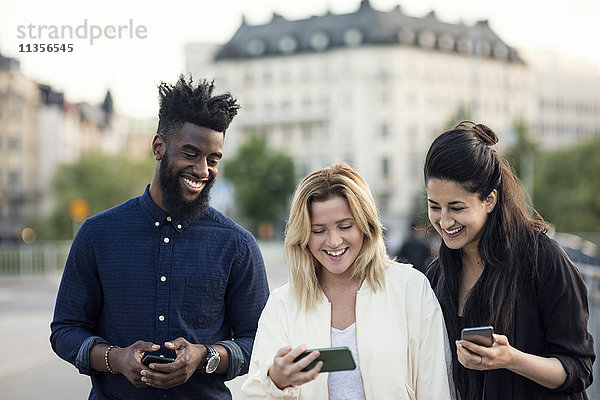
[[184, 102]]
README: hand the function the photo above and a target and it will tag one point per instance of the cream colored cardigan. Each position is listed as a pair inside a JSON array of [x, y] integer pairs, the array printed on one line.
[[400, 335]]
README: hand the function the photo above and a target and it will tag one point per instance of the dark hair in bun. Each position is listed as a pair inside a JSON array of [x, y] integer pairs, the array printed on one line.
[[464, 154]]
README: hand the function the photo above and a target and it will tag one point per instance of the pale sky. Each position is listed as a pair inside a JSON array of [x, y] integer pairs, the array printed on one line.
[[132, 68]]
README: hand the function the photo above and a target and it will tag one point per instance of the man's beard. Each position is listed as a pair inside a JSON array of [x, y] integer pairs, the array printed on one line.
[[172, 196]]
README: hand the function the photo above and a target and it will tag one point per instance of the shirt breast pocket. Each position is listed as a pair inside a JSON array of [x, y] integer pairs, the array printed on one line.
[[203, 301]]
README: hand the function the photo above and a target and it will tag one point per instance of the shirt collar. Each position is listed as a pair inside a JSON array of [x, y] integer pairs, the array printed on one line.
[[154, 213], [157, 215]]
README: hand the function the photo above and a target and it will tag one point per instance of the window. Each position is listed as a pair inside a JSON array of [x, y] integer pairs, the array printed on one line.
[[427, 39], [500, 51], [319, 41], [14, 178], [464, 45], [348, 158], [267, 77], [406, 36], [306, 133], [286, 104], [446, 42], [384, 129], [14, 144], [249, 78], [288, 131], [385, 96], [286, 75], [353, 37], [268, 106], [385, 167], [287, 44], [306, 102], [484, 48], [256, 47]]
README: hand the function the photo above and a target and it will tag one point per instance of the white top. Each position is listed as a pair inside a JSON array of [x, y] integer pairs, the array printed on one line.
[[346, 385]]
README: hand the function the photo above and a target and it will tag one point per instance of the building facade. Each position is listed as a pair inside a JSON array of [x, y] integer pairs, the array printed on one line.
[[19, 103], [567, 94], [371, 88], [39, 130]]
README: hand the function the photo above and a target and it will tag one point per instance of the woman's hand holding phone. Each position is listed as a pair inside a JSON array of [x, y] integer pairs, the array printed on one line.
[[286, 372], [482, 358]]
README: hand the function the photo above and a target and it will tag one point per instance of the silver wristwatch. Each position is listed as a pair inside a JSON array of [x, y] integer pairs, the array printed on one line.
[[212, 359]]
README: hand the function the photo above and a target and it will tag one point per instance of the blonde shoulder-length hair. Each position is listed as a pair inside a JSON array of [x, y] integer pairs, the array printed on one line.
[[343, 181]]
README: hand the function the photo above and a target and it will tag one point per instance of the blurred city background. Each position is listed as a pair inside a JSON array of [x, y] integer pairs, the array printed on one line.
[[370, 85]]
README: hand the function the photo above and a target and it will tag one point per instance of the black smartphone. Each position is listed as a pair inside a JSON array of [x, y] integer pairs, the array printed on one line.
[[334, 359], [153, 358], [481, 335]]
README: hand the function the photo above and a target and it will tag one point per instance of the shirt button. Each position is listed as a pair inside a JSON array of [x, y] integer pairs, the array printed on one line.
[[163, 278], [157, 223], [179, 226], [161, 318], [169, 219], [166, 240]]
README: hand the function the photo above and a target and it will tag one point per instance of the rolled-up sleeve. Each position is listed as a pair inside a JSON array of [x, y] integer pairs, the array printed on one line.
[[82, 362], [246, 297]]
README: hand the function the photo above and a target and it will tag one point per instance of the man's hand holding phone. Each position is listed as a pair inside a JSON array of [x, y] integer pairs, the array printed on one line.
[[153, 358], [175, 373], [125, 360]]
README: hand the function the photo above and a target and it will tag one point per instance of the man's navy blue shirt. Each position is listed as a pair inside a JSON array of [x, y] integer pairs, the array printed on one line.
[[134, 273]]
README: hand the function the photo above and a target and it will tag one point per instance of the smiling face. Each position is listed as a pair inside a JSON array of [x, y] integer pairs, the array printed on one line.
[[458, 215], [189, 164], [335, 239]]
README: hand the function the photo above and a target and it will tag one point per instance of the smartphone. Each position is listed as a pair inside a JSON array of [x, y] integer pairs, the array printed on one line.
[[481, 335], [153, 358], [334, 359]]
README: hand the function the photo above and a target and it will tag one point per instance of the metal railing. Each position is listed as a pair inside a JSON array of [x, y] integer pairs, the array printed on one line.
[[33, 259], [46, 258]]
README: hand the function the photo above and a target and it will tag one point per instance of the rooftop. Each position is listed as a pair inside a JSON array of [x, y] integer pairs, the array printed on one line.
[[365, 26]]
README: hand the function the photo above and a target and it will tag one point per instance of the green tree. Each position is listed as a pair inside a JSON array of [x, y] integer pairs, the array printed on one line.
[[462, 114], [263, 181], [522, 148], [567, 187], [522, 155], [103, 181]]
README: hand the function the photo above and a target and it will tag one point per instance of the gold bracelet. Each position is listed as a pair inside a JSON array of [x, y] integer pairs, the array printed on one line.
[[108, 368]]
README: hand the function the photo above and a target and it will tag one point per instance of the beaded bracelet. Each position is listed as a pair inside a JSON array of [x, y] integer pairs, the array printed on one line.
[[109, 369]]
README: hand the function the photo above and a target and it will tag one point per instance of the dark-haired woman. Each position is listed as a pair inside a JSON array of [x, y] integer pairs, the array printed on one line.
[[496, 266]]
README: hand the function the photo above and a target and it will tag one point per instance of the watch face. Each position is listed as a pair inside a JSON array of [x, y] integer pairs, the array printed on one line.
[[212, 364]]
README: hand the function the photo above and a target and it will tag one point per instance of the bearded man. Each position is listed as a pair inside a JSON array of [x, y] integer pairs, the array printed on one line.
[[163, 273]]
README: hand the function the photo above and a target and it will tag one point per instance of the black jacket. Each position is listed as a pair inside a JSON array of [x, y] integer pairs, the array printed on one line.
[[552, 324]]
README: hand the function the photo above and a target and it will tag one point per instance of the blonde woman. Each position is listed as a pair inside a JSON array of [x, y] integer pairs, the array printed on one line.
[[345, 291]]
